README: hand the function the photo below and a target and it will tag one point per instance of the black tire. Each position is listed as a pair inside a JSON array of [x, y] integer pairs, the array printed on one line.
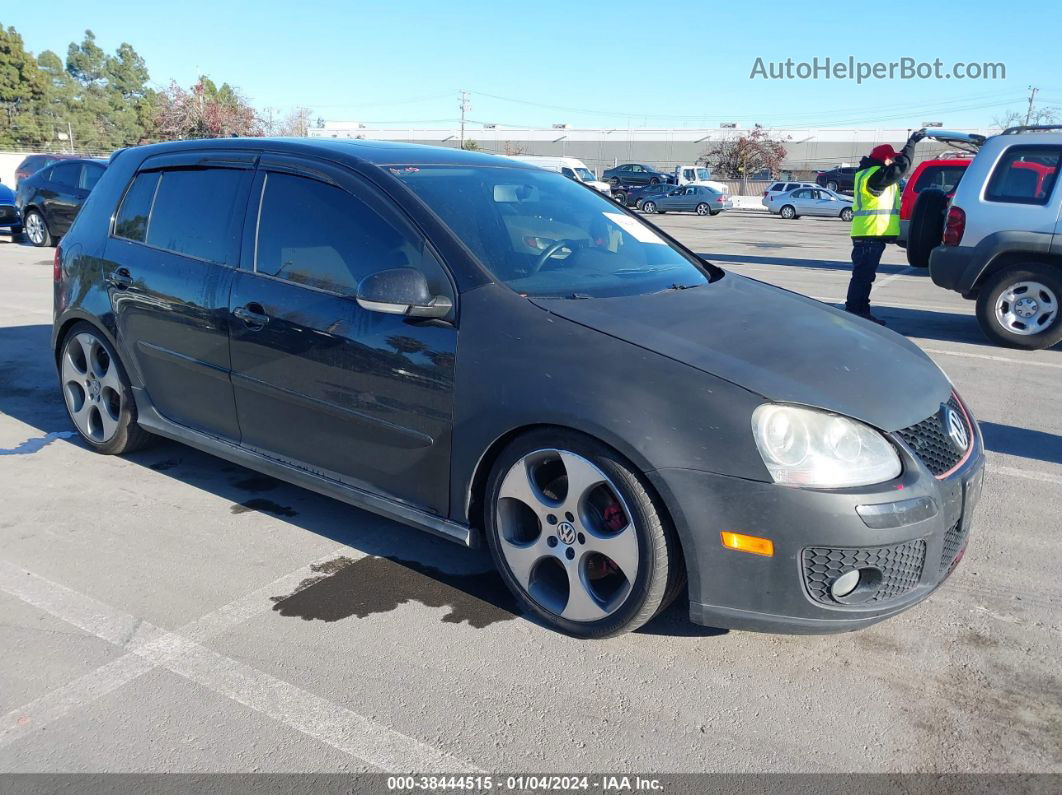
[[661, 574], [654, 180], [1048, 275], [846, 215], [613, 181], [703, 209], [788, 212], [831, 185], [926, 229], [129, 436], [714, 213], [620, 197], [46, 239], [649, 207]]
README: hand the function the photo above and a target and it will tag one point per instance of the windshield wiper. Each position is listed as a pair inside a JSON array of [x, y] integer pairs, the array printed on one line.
[[678, 287]]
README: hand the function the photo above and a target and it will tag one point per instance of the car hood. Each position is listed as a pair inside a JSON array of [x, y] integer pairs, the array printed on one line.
[[7, 196], [778, 344]]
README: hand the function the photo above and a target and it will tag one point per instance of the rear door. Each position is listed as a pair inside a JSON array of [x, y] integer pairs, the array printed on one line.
[[172, 255], [361, 397]]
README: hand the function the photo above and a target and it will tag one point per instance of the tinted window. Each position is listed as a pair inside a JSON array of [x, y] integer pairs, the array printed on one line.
[[197, 212], [319, 235], [567, 172], [777, 186], [90, 175], [132, 220], [66, 174], [1025, 175], [544, 236]]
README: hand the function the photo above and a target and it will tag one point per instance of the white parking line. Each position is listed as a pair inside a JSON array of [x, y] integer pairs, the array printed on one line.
[[151, 647], [990, 357], [1014, 472]]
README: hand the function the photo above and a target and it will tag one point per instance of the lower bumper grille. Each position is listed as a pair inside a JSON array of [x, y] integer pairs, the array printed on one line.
[[8, 213], [900, 566], [953, 542]]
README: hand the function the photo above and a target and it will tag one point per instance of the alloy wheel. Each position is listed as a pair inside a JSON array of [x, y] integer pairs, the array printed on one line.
[[649, 207], [34, 229], [702, 209], [92, 387], [567, 535], [1026, 308], [788, 212]]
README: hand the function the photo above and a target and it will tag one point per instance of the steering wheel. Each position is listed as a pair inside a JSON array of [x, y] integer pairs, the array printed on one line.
[[549, 252]]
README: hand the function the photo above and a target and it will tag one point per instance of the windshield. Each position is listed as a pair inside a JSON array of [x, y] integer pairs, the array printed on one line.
[[543, 235], [586, 175]]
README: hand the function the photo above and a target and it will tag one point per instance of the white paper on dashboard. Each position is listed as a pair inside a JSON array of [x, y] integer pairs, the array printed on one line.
[[639, 232]]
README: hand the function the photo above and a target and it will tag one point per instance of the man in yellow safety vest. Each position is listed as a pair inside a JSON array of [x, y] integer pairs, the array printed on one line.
[[875, 217]]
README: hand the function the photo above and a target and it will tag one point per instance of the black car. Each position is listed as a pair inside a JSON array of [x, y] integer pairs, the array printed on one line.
[[493, 353], [635, 174], [637, 195], [51, 198], [837, 179], [31, 164]]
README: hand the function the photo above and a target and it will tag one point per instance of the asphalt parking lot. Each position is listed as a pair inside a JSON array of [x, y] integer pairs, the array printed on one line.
[[172, 612]]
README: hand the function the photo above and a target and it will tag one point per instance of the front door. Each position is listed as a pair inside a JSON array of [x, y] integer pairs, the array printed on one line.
[[354, 395], [170, 262]]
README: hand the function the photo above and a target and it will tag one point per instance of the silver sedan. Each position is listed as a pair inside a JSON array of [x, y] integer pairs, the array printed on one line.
[[811, 201]]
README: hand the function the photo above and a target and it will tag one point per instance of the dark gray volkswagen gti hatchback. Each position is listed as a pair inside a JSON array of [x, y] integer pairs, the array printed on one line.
[[491, 352]]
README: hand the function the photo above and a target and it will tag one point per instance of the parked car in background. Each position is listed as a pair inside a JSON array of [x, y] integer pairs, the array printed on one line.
[[697, 175], [635, 174], [433, 335], [837, 179], [811, 201], [570, 167], [638, 194], [938, 176], [783, 187], [10, 217], [31, 164], [1000, 238], [688, 198], [50, 199]]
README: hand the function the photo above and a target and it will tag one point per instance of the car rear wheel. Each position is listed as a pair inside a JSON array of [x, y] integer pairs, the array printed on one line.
[[926, 229], [649, 207], [846, 214], [1019, 307], [831, 185], [614, 181], [577, 537], [788, 212], [621, 198], [703, 209], [37, 229], [97, 393], [654, 181]]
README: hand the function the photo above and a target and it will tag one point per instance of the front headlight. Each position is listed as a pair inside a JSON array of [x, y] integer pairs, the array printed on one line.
[[807, 447]]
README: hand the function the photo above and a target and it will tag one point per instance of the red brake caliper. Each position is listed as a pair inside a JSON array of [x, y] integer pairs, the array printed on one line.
[[598, 565]]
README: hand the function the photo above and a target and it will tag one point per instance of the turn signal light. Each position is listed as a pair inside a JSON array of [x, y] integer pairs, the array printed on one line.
[[744, 543]]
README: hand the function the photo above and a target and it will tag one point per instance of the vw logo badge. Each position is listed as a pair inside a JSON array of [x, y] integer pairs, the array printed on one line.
[[956, 429], [566, 533]]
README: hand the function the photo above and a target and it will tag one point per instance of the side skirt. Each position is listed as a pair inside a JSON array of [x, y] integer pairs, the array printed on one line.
[[152, 421]]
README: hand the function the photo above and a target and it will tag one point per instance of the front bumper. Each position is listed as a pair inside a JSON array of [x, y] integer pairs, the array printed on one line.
[[817, 535]]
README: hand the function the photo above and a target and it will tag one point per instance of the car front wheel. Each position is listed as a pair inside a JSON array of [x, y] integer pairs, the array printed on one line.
[[577, 537], [649, 207], [846, 214], [37, 229], [831, 185], [1019, 307]]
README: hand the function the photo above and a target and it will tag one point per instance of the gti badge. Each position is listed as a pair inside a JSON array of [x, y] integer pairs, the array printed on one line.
[[956, 429]]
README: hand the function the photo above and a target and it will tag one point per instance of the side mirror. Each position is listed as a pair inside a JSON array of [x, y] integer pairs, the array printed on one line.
[[401, 291]]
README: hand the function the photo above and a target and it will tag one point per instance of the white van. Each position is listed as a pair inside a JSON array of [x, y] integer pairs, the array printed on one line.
[[697, 175], [568, 166]]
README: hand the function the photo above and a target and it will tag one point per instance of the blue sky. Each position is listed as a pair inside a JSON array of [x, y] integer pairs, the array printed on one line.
[[592, 64]]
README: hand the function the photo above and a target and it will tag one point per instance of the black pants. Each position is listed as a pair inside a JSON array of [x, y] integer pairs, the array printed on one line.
[[866, 256]]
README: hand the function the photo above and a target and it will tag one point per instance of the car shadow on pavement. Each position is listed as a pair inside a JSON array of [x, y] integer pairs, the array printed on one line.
[[400, 564], [1023, 442], [931, 324], [821, 264]]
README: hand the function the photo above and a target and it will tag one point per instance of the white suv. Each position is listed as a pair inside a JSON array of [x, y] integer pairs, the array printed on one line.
[[1003, 238]]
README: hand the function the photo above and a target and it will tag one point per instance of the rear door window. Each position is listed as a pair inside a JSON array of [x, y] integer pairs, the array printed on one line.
[[197, 213], [1025, 175], [318, 235]]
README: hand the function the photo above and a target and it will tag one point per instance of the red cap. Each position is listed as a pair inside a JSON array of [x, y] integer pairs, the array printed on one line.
[[883, 152]]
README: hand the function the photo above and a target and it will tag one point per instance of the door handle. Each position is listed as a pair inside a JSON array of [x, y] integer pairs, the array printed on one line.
[[251, 315], [120, 278]]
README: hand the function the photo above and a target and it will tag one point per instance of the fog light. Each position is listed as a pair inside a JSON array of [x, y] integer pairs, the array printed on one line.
[[844, 584]]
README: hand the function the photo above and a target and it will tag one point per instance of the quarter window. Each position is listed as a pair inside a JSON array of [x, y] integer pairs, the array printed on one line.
[[1025, 175], [132, 220], [90, 175], [318, 235]]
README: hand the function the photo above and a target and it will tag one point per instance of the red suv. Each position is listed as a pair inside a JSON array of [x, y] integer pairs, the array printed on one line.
[[941, 174]]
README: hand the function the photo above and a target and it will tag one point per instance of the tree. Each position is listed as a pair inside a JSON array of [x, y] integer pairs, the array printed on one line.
[[295, 124], [514, 149], [205, 111], [1016, 118], [471, 146], [747, 154], [23, 90]]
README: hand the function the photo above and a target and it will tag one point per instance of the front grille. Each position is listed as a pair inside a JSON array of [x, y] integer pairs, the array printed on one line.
[[929, 440], [953, 541], [900, 566]]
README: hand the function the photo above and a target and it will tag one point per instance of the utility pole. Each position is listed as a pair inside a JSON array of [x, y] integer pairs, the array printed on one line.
[[465, 107], [1032, 97]]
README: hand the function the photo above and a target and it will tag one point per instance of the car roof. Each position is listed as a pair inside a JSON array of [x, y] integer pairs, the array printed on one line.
[[380, 153]]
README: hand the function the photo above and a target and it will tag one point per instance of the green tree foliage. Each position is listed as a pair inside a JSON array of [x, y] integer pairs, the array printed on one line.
[[23, 88]]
